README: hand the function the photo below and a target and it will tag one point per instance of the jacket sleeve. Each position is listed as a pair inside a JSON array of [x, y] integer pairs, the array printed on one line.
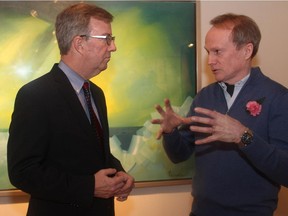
[[179, 145]]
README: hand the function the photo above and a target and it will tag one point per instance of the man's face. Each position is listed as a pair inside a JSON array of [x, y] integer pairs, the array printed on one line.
[[97, 52], [227, 63]]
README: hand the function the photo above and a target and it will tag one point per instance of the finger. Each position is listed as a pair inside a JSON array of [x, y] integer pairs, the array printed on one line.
[[168, 106], [206, 140], [160, 110], [129, 185], [127, 177], [118, 187], [187, 120], [124, 190], [159, 134], [206, 112], [120, 180], [208, 130], [109, 171], [203, 120], [156, 121]]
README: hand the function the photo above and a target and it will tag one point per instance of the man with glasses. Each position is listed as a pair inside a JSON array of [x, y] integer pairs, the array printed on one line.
[[58, 148]]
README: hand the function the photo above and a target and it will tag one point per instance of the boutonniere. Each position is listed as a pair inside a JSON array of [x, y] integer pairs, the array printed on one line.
[[254, 107]]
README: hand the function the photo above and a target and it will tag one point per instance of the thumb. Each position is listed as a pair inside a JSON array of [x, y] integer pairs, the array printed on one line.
[[109, 172]]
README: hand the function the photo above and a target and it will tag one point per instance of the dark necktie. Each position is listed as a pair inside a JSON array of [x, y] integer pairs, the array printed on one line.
[[93, 118], [230, 89]]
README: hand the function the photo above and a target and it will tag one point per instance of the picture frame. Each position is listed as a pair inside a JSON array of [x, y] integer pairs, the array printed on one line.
[[156, 53]]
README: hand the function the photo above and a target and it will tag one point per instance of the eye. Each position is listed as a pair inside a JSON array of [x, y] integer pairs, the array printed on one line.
[[217, 52]]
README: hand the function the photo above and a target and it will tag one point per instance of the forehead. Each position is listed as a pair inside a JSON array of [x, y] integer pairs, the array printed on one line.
[[99, 26], [218, 37]]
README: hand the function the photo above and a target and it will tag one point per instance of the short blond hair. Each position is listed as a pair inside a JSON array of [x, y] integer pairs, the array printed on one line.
[[244, 29]]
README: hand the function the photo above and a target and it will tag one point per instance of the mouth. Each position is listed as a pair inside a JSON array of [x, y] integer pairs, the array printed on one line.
[[214, 70]]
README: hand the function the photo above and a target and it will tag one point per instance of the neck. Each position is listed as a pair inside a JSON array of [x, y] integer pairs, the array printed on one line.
[[73, 64]]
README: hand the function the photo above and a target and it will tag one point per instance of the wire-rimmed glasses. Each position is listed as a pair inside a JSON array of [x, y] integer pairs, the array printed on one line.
[[108, 38]]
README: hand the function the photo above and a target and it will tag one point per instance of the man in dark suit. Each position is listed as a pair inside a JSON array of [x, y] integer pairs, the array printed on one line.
[[239, 138], [54, 151]]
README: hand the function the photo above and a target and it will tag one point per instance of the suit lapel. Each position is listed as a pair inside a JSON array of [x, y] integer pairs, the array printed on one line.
[[68, 94], [74, 106]]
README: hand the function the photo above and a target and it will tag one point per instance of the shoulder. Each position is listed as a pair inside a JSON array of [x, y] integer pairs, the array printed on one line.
[[41, 84], [261, 87], [264, 83], [210, 90], [210, 97], [258, 78]]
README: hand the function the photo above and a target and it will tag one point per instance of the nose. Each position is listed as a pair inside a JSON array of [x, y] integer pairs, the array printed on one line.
[[112, 46], [211, 59]]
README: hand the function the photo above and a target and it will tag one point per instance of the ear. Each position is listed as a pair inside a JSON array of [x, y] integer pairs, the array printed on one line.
[[248, 50], [77, 44]]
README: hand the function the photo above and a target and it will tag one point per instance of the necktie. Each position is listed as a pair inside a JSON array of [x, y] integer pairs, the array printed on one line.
[[229, 89], [93, 118]]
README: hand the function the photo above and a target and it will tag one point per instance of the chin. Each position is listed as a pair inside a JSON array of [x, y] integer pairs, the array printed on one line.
[[103, 67], [218, 78]]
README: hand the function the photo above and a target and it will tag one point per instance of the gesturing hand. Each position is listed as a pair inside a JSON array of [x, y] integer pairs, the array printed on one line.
[[169, 120], [221, 127]]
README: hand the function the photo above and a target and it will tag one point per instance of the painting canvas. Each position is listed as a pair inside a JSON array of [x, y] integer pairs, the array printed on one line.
[[155, 59]]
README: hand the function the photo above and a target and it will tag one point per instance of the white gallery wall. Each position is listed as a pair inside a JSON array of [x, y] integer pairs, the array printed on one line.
[[271, 17]]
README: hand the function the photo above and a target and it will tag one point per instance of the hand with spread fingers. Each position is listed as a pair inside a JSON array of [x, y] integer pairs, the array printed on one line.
[[170, 120], [221, 127]]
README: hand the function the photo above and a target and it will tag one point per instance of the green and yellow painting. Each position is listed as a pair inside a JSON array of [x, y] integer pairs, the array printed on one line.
[[155, 59]]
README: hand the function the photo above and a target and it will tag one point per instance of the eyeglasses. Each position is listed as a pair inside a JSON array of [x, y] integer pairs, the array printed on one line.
[[108, 38]]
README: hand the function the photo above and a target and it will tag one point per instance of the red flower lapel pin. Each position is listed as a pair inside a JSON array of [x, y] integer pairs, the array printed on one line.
[[254, 107]]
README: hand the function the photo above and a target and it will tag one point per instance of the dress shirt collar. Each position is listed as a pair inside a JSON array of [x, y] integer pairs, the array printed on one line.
[[238, 85], [74, 78], [237, 88]]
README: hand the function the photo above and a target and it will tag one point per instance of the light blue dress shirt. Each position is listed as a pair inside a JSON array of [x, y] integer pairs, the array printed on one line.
[[77, 82], [238, 86]]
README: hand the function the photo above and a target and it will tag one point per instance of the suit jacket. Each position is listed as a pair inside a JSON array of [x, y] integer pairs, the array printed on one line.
[[238, 181], [53, 152]]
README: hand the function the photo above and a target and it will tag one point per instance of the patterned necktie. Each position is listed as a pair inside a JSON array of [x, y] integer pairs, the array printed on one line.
[[93, 118], [229, 89]]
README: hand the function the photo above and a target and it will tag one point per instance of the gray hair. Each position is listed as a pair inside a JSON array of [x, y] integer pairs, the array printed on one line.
[[75, 20]]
